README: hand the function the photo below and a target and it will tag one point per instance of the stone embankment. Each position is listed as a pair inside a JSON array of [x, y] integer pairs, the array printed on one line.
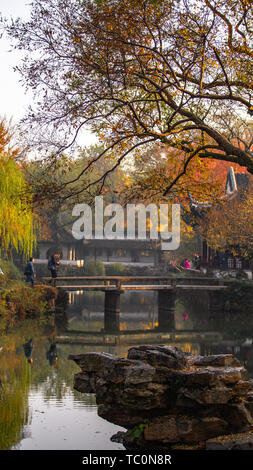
[[169, 399]]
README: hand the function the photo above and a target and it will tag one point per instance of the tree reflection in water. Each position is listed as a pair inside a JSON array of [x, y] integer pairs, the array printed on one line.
[[15, 373], [50, 375]]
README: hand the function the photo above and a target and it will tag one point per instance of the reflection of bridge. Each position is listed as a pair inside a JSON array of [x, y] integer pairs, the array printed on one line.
[[167, 288], [139, 337]]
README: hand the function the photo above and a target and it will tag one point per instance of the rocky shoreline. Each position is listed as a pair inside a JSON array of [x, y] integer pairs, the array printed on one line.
[[168, 399]]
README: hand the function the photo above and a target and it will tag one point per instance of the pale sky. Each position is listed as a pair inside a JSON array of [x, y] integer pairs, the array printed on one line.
[[13, 98]]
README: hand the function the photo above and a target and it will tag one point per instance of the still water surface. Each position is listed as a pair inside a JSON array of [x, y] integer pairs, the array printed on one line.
[[40, 410]]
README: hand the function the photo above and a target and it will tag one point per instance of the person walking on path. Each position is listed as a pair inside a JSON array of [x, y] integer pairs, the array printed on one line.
[[52, 265], [29, 272]]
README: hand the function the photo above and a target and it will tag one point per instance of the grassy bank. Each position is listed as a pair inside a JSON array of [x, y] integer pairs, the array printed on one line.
[[19, 301]]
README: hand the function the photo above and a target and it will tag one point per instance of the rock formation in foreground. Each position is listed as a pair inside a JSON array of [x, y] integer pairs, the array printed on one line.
[[168, 399]]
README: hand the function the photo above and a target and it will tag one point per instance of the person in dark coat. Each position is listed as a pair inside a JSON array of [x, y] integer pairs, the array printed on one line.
[[197, 261], [29, 272], [28, 350], [52, 265], [52, 355]]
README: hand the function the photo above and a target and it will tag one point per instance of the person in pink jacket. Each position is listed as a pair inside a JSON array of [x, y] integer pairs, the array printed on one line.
[[186, 264]]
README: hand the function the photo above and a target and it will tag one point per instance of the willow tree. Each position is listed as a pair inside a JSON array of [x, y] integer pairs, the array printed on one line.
[[140, 73], [16, 215]]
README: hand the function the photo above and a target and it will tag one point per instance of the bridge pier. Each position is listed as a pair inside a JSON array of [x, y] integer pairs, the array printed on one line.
[[166, 309], [112, 311], [166, 293]]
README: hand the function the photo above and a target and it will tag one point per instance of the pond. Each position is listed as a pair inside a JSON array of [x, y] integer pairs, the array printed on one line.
[[40, 410]]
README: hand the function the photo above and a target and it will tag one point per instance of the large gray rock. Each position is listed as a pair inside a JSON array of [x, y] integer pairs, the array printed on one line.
[[173, 397], [219, 360], [240, 441], [238, 416], [96, 361], [130, 372], [249, 402], [206, 396], [82, 383], [169, 429], [167, 356], [121, 416], [229, 375], [114, 369]]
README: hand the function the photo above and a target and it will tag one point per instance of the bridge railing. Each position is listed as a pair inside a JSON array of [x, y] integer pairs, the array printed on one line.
[[140, 280]]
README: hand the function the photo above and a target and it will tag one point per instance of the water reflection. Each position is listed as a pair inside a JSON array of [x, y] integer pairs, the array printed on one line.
[[196, 329], [52, 355], [28, 350], [86, 311], [39, 409], [15, 373], [139, 311]]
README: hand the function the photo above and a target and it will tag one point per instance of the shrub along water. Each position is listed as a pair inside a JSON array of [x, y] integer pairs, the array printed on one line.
[[19, 301]]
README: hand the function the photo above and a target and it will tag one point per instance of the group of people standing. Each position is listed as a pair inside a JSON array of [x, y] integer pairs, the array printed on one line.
[[191, 264], [53, 263]]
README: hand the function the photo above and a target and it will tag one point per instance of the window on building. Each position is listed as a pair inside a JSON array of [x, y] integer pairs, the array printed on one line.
[[72, 254], [230, 263], [120, 253], [145, 253], [238, 263]]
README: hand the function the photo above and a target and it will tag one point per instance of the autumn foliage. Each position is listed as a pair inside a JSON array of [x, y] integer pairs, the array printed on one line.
[[229, 224], [16, 214], [141, 74]]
